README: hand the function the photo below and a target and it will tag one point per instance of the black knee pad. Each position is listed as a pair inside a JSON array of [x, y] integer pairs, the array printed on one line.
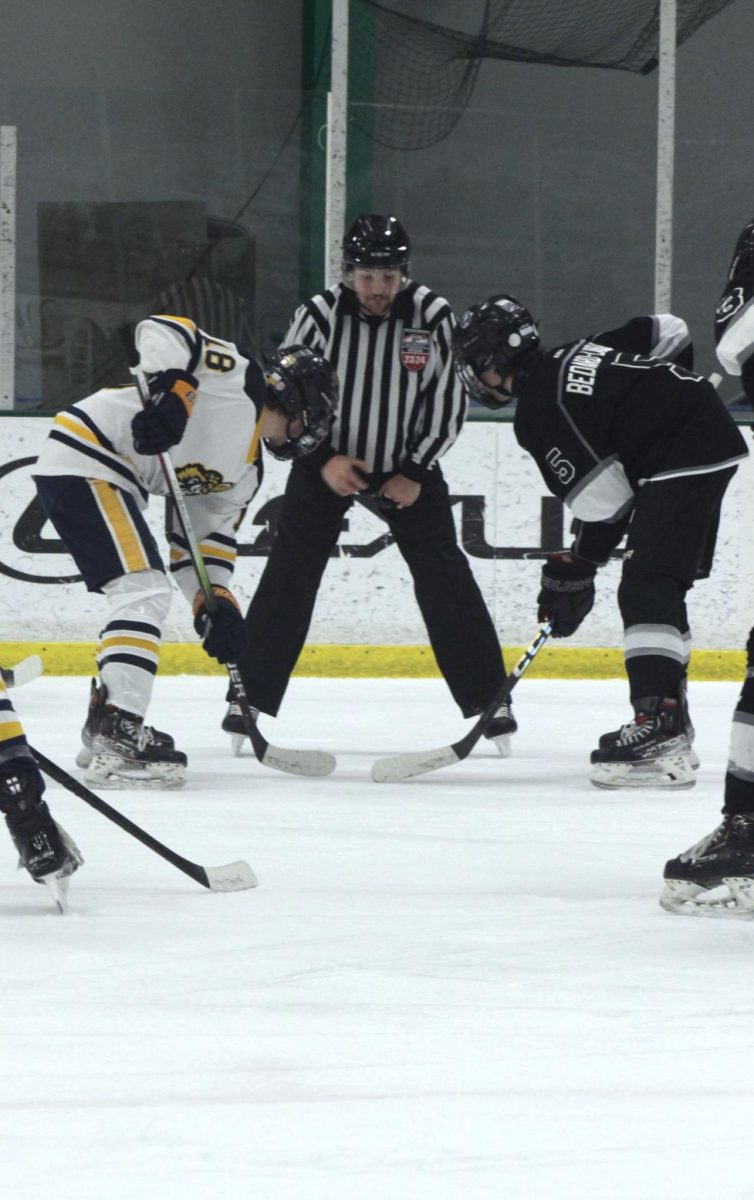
[[651, 599]]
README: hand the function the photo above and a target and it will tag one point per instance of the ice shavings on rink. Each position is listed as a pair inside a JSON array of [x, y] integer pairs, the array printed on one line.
[[457, 988]]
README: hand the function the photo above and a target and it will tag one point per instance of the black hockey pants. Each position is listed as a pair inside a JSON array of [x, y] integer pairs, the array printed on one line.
[[671, 543], [460, 628]]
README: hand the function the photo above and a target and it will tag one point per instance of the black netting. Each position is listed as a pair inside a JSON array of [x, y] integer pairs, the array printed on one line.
[[411, 79]]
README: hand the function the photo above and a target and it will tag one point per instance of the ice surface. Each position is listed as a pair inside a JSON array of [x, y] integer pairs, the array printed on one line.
[[457, 987]]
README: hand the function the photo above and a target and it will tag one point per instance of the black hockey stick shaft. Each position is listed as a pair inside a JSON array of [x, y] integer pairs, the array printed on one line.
[[420, 762], [465, 745], [67, 781], [259, 743]]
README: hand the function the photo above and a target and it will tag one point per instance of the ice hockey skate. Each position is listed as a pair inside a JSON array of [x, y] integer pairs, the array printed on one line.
[[715, 878], [233, 723], [501, 728], [44, 848], [123, 755], [609, 739], [97, 703], [652, 750]]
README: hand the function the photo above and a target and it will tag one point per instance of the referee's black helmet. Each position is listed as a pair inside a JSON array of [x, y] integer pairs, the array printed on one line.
[[376, 241]]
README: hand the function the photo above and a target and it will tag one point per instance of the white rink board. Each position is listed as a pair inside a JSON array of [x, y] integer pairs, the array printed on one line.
[[367, 595]]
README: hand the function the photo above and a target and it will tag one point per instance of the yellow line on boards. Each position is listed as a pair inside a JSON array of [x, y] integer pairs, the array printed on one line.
[[377, 662]]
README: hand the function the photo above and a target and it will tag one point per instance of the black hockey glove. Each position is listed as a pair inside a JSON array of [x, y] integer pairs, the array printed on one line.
[[162, 423], [224, 635], [567, 593]]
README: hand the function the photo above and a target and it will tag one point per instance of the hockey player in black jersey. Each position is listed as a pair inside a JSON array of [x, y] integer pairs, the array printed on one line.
[[716, 876], [632, 442]]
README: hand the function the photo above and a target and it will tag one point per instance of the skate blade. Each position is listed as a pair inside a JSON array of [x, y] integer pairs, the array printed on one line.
[[57, 885], [109, 771], [503, 744], [237, 742], [684, 898], [671, 771]]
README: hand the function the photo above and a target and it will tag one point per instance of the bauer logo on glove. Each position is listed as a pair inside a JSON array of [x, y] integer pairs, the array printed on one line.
[[567, 593]]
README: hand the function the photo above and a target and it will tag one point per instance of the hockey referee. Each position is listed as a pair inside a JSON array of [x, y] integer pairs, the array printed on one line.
[[401, 409]]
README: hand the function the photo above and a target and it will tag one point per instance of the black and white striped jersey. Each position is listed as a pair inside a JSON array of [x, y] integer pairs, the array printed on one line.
[[602, 421], [401, 405]]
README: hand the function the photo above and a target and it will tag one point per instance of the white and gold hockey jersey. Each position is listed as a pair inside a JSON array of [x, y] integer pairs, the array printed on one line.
[[218, 462]]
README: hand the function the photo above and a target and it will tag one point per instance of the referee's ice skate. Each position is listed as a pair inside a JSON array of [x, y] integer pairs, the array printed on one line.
[[652, 750], [233, 723], [715, 877], [501, 728]]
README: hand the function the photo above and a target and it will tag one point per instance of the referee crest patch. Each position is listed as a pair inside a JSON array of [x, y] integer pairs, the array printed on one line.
[[415, 349]]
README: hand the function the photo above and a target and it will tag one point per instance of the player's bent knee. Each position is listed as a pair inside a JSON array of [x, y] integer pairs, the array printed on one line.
[[144, 594]]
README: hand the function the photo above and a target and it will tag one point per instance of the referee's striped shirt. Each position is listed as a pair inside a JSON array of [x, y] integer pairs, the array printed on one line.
[[401, 404]]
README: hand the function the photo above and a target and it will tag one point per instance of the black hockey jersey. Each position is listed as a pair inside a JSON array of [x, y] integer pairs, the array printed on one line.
[[602, 419], [734, 315]]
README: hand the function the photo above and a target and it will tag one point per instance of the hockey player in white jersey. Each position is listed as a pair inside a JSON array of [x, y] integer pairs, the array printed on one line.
[[715, 877], [214, 406]]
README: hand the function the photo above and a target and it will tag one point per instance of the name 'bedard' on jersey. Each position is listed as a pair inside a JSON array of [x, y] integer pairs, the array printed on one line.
[[621, 417]]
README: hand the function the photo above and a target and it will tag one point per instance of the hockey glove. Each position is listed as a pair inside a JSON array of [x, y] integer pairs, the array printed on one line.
[[224, 634], [567, 593], [162, 423]]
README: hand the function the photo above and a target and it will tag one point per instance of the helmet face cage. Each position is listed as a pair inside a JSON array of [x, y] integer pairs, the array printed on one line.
[[376, 242], [303, 386], [490, 337]]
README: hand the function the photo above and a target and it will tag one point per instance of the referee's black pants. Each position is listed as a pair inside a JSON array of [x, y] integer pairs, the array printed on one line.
[[459, 626]]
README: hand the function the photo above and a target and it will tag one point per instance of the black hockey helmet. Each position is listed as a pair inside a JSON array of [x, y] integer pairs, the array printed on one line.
[[493, 336], [742, 266], [376, 241], [304, 386]]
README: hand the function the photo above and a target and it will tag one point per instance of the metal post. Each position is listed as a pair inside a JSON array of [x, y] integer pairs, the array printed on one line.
[[7, 265], [665, 156], [337, 122]]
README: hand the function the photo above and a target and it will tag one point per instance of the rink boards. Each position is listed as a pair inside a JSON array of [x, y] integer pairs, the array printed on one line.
[[366, 621]]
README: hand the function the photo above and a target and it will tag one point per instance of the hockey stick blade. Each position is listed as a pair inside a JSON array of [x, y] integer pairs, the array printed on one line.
[[420, 762], [24, 671], [233, 877], [313, 763]]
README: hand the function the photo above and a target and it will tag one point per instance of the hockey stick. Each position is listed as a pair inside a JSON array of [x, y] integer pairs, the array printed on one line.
[[294, 762], [233, 877], [419, 762], [23, 672]]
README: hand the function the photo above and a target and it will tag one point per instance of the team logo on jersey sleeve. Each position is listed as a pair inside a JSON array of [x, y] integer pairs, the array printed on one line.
[[415, 349], [730, 302]]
